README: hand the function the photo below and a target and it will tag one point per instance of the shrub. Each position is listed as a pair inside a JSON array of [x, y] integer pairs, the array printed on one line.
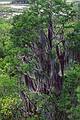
[[9, 108]]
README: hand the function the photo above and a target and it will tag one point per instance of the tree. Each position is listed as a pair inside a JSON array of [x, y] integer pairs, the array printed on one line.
[[39, 35]]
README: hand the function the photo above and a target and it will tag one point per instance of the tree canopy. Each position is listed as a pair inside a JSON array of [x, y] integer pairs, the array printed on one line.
[[40, 63]]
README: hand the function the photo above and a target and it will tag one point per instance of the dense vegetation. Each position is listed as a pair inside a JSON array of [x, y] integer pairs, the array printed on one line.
[[40, 63]]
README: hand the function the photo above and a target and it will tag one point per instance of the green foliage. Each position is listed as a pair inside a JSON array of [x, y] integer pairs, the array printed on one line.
[[8, 86], [70, 97], [74, 38], [16, 41], [67, 102], [9, 108], [9, 96]]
